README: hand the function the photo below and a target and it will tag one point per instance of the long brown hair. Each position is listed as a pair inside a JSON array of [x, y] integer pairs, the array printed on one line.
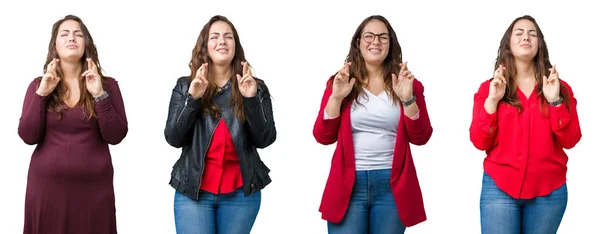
[[358, 70], [61, 92], [200, 56], [541, 67]]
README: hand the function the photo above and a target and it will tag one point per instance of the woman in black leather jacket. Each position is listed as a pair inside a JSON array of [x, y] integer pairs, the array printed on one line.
[[219, 116]]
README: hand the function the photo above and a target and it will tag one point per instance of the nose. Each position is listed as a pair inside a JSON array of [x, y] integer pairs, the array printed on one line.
[[526, 37], [71, 37], [221, 40], [376, 40]]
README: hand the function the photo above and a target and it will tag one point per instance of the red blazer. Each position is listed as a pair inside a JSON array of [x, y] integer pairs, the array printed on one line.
[[403, 181]]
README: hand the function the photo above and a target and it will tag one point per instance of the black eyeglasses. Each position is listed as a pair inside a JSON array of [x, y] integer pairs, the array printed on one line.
[[369, 37]]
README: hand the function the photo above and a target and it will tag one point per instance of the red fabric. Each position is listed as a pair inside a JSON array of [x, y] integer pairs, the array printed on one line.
[[403, 181], [222, 172], [525, 155]]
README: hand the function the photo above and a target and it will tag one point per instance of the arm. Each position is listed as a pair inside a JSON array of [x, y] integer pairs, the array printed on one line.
[[259, 116], [32, 124], [565, 122], [418, 127], [325, 130], [111, 115], [182, 114], [483, 124]]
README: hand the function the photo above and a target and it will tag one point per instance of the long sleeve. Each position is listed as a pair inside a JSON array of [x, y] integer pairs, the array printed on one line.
[[419, 129], [325, 131], [483, 125], [565, 122], [182, 114], [32, 124], [112, 119], [259, 117]]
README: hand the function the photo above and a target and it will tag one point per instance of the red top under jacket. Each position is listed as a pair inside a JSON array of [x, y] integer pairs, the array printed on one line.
[[222, 172]]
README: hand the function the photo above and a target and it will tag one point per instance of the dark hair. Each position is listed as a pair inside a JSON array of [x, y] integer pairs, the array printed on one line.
[[358, 70], [200, 56], [541, 67], [55, 102]]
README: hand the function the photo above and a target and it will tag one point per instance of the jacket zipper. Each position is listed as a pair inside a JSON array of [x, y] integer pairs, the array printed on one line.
[[262, 109], [185, 103], [205, 152]]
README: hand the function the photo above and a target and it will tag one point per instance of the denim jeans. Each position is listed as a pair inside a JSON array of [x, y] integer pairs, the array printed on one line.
[[372, 208], [500, 213], [230, 213]]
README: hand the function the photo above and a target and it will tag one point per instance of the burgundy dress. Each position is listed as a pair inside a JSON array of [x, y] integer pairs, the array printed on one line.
[[70, 180]]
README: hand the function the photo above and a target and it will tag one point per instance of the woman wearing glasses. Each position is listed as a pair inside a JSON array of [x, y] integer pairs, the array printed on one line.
[[373, 107]]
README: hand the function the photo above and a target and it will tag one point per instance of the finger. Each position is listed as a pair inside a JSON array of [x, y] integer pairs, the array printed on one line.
[[402, 68], [352, 81], [394, 80], [86, 73], [244, 80], [239, 78], [89, 64], [347, 67], [205, 71], [405, 73], [544, 81]]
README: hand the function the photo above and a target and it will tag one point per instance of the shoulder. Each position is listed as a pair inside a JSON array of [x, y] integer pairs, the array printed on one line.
[[567, 86], [36, 81], [484, 86]]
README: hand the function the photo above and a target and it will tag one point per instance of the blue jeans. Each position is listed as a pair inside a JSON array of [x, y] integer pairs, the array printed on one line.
[[500, 213], [230, 213], [372, 208]]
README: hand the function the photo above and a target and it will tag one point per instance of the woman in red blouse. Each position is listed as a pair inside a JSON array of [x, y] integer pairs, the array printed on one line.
[[374, 109], [524, 118], [219, 116], [72, 113]]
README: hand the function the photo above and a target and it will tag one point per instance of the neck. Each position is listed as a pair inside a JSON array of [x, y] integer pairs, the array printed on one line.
[[375, 71], [71, 71], [525, 69], [221, 73]]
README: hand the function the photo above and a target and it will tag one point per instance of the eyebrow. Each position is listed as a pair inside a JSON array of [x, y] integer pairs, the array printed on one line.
[[530, 30], [220, 33], [378, 34], [66, 30]]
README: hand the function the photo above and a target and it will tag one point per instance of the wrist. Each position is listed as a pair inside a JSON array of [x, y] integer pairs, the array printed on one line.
[[41, 93], [96, 95], [555, 101], [335, 99], [409, 101]]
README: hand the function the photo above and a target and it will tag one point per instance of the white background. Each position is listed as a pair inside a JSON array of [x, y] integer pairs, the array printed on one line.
[[295, 47]]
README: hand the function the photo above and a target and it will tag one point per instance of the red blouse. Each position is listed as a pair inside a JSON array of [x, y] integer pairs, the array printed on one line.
[[525, 155], [222, 172]]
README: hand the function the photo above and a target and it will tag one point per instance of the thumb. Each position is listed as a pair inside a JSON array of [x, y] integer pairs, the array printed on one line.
[[545, 80], [394, 80]]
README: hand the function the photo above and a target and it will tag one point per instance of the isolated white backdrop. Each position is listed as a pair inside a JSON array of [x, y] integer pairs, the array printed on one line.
[[295, 47]]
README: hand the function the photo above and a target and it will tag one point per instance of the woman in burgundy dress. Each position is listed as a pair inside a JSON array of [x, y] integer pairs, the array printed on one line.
[[72, 113]]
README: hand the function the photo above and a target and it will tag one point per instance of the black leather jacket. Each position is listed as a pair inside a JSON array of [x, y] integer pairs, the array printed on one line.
[[188, 127]]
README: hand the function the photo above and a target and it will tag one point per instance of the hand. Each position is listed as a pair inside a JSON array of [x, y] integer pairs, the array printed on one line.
[[342, 85], [247, 83], [497, 85], [199, 83], [551, 86], [93, 81], [49, 80], [403, 83]]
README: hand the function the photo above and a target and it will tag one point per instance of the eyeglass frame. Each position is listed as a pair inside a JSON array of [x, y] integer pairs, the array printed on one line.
[[376, 36]]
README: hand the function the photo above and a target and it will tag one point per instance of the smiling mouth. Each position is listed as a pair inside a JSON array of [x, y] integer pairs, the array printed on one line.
[[375, 51]]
